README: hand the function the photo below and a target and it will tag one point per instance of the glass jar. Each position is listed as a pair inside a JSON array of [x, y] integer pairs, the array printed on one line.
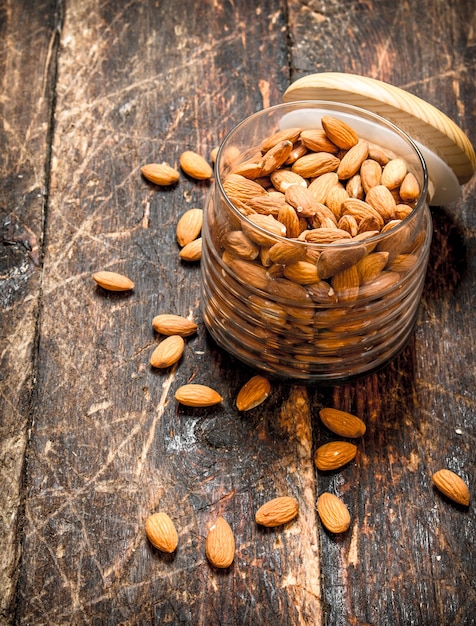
[[314, 306]]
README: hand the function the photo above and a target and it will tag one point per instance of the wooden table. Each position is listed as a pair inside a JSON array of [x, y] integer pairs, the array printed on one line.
[[92, 440]]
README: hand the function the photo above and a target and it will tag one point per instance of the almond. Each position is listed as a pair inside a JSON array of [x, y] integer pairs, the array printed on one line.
[[112, 281], [340, 133], [370, 174], [195, 166], [342, 423], [253, 393], [289, 218], [301, 199], [237, 243], [335, 454], [301, 272], [286, 134], [168, 352], [321, 186], [170, 324], [240, 189], [189, 226], [452, 486], [333, 513], [287, 252], [317, 141], [249, 273], [284, 178], [161, 532], [196, 395], [381, 199], [265, 224], [276, 156], [410, 188], [315, 163], [394, 173], [160, 174], [332, 261], [346, 284], [192, 251], [277, 511], [370, 266], [353, 159], [220, 544]]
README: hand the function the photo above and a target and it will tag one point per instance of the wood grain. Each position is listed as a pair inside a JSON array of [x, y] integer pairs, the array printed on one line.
[[123, 84], [28, 43]]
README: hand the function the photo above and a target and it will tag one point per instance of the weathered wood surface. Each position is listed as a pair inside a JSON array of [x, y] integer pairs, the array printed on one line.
[[92, 441]]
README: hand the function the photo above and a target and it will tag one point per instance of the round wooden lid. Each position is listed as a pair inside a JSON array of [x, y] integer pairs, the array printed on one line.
[[444, 143]]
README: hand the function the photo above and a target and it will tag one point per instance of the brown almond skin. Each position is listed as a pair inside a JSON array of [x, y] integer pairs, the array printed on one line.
[[333, 455], [195, 166], [168, 352], [161, 532], [196, 395], [220, 544], [170, 324], [253, 393], [160, 174], [333, 513], [277, 511], [452, 486], [112, 281], [342, 423]]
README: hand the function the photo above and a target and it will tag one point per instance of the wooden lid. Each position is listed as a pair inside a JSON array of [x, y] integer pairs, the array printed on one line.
[[423, 122]]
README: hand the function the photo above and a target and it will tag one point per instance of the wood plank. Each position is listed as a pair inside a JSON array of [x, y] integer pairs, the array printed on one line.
[[409, 555], [27, 62], [109, 444]]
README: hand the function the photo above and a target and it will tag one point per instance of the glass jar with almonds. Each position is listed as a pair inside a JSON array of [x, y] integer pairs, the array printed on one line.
[[316, 240]]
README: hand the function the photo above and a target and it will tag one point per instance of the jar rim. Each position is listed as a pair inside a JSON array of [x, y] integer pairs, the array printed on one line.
[[364, 114]]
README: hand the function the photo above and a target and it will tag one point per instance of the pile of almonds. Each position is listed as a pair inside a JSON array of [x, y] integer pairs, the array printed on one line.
[[220, 542], [324, 269]]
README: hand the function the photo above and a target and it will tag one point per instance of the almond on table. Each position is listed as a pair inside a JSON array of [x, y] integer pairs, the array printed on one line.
[[277, 511], [253, 393], [112, 281], [195, 165], [160, 174], [189, 226], [196, 395], [333, 513], [171, 324], [168, 352], [220, 544], [342, 423], [161, 532], [452, 486]]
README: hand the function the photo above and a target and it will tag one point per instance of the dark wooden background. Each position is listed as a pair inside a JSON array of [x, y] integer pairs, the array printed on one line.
[[91, 439]]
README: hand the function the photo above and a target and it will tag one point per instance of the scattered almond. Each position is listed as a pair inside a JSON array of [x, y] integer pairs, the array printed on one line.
[[160, 174], [452, 486], [277, 511], [189, 226], [168, 352], [335, 454], [192, 251], [342, 423], [113, 281], [197, 395], [333, 513], [253, 393], [195, 166], [161, 532], [220, 544], [170, 324]]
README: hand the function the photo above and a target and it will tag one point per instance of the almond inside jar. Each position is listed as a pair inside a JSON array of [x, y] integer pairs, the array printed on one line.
[[315, 249]]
